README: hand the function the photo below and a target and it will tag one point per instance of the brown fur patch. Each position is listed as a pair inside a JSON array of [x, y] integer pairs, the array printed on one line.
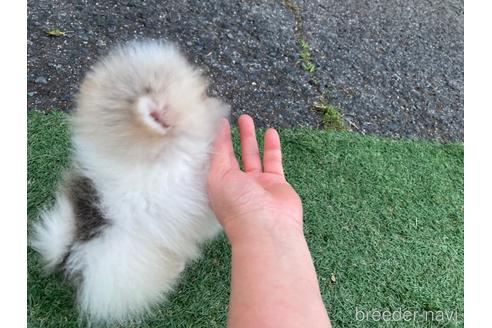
[[89, 219]]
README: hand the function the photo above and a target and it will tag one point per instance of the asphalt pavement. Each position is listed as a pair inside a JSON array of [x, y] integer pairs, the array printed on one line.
[[392, 68]]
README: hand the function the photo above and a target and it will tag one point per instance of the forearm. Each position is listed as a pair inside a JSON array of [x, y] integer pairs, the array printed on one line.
[[274, 282]]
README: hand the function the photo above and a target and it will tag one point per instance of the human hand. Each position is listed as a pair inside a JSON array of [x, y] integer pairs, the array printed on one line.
[[257, 200]]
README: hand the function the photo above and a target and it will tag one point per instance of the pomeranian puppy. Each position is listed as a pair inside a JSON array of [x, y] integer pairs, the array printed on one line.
[[133, 209]]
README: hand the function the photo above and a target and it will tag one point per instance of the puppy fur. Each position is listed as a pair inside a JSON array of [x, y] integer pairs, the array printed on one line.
[[133, 209]]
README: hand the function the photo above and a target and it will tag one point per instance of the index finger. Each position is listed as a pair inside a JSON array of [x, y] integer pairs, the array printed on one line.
[[249, 145]]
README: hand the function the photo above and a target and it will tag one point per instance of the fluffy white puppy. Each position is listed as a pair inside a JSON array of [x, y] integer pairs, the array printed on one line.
[[133, 208]]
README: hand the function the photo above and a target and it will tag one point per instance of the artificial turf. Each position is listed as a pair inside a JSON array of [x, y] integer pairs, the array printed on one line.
[[383, 219]]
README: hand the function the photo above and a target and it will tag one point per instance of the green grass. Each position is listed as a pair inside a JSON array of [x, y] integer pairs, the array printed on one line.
[[383, 219]]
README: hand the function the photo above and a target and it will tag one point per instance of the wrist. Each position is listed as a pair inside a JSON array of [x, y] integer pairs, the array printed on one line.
[[273, 277], [263, 229]]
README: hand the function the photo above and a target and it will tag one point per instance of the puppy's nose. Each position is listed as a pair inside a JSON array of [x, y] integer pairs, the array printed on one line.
[[158, 113], [155, 115], [158, 110]]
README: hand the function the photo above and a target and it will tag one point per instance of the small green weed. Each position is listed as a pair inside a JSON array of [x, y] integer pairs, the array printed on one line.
[[332, 117], [306, 60]]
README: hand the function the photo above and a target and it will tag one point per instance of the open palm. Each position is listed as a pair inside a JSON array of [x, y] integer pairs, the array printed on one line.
[[259, 195]]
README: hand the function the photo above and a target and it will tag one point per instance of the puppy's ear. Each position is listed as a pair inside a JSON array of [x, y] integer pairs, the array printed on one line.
[[152, 114]]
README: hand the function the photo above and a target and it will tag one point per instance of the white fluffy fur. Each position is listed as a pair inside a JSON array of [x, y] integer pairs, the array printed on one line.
[[150, 179], [54, 233]]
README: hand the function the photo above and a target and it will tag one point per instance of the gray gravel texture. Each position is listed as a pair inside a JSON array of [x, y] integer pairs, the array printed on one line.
[[395, 68]]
